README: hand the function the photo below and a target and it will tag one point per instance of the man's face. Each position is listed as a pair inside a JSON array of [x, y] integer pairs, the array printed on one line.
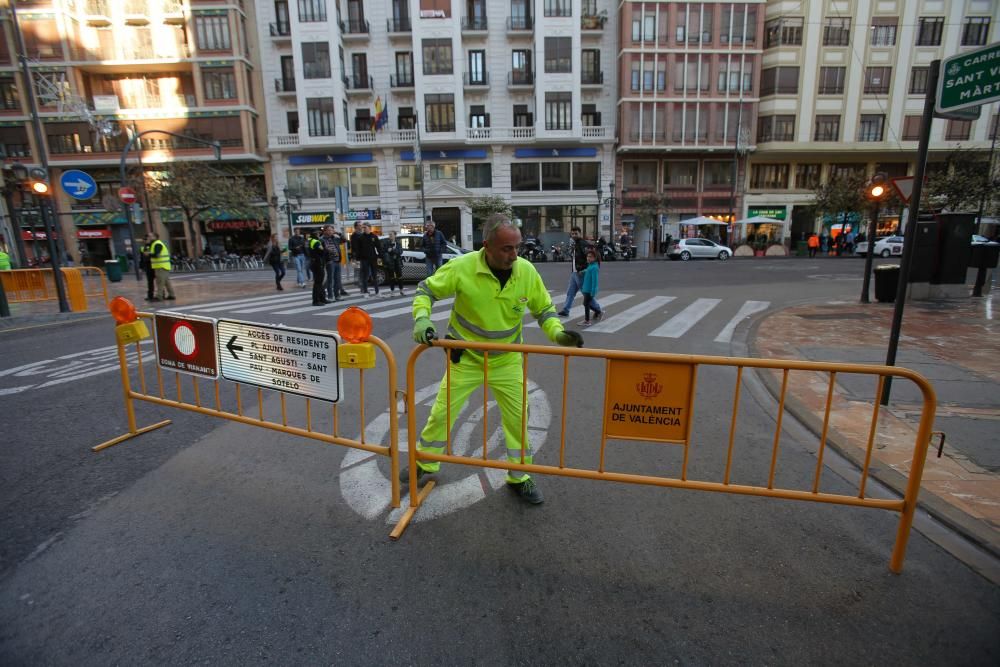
[[574, 234], [328, 231], [501, 250]]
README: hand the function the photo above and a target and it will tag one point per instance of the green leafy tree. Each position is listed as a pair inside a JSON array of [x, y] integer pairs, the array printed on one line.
[[196, 188], [961, 184], [840, 197], [483, 207]]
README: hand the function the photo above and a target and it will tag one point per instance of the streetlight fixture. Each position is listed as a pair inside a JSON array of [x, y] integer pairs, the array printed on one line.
[[610, 202], [289, 207], [876, 192]]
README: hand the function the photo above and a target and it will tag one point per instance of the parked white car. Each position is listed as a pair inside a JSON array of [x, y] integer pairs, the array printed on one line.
[[685, 249], [884, 247]]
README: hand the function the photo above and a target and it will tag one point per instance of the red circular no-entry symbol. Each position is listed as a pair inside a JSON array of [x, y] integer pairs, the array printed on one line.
[[127, 195]]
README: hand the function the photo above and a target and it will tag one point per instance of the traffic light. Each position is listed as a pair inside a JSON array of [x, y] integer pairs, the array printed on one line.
[[38, 181], [878, 188]]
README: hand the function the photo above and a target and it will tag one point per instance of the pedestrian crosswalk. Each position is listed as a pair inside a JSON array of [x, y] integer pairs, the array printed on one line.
[[658, 316]]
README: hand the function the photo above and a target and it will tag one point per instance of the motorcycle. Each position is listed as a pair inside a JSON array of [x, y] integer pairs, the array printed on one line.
[[557, 252], [532, 251], [607, 253]]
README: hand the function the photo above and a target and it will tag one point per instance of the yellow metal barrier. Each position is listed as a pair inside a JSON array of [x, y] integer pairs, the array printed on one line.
[[36, 285], [682, 371], [173, 396]]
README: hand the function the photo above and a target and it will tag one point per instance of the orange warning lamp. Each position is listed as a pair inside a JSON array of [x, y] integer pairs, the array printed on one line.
[[130, 328], [122, 310], [355, 326]]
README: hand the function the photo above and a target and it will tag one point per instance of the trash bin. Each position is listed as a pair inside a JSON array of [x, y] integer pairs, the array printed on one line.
[[886, 281], [801, 248], [114, 270], [123, 263]]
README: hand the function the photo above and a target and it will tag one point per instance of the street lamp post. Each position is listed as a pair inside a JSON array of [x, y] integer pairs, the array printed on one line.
[[288, 208], [610, 202]]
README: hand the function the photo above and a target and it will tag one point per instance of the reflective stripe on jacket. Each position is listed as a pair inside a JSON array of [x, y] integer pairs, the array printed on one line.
[[482, 310], [159, 258]]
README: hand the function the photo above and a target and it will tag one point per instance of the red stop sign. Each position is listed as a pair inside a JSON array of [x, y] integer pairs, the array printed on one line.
[[127, 195]]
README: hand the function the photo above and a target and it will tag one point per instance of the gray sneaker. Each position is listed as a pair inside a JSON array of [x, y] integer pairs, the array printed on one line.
[[404, 474], [527, 491]]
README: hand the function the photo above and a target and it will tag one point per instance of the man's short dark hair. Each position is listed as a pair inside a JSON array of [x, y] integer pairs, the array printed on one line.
[[576, 229]]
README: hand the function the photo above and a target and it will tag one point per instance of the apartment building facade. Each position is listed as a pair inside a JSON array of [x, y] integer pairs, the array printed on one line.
[[509, 97], [107, 69], [842, 91], [689, 77]]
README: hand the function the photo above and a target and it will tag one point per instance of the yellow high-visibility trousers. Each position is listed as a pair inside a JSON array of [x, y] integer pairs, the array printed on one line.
[[506, 382]]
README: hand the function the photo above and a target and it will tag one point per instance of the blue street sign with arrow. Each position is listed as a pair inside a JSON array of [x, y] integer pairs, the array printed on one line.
[[78, 184]]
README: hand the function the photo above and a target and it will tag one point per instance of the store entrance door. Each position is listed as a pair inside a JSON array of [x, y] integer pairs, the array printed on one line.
[[448, 221]]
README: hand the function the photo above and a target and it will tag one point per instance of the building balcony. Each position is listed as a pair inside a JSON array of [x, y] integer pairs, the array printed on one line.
[[98, 13], [591, 78], [399, 28], [281, 30], [592, 23], [382, 138], [280, 141], [15, 150], [597, 132], [474, 25], [520, 79], [499, 134], [520, 25], [124, 52], [284, 86], [401, 81], [358, 85], [474, 81], [355, 30]]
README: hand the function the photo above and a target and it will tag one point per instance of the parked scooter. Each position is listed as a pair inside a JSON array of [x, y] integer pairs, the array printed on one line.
[[531, 250], [557, 252]]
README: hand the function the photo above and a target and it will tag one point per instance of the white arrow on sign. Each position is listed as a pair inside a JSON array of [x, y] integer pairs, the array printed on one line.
[[81, 186]]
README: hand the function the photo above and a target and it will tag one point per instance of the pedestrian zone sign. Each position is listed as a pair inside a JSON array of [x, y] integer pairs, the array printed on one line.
[[969, 80], [186, 344]]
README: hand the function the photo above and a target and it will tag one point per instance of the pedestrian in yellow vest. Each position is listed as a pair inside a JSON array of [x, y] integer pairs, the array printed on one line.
[[4, 260], [159, 259], [494, 289]]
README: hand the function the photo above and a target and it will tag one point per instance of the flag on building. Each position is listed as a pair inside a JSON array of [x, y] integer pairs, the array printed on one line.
[[381, 115]]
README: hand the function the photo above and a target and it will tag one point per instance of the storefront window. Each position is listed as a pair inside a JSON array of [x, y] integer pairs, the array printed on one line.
[[586, 175], [524, 176], [442, 171], [555, 175], [407, 178], [329, 179], [302, 182], [364, 182]]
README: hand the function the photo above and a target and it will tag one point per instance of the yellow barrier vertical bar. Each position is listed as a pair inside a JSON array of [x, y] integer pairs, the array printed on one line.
[[127, 388], [690, 421], [524, 405], [239, 401], [309, 419], [604, 427], [284, 411], [562, 427], [177, 381], [361, 410], [260, 403], [826, 429], [447, 396], [159, 380], [142, 371], [104, 287], [394, 483], [871, 437], [486, 430], [336, 428], [732, 423], [197, 394], [777, 430], [218, 399], [916, 472], [74, 289]]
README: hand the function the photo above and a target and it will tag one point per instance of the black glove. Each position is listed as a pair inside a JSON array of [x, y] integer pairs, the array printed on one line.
[[569, 338]]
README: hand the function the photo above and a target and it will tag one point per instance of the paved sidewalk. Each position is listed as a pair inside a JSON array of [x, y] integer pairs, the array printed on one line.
[[954, 344]]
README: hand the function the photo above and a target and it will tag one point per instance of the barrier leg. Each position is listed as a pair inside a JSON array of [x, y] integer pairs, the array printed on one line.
[[129, 408]]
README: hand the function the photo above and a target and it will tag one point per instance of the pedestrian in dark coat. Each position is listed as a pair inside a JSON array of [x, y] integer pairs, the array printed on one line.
[[392, 260]]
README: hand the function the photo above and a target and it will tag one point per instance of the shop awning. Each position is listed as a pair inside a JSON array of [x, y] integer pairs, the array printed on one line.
[[761, 220], [701, 220]]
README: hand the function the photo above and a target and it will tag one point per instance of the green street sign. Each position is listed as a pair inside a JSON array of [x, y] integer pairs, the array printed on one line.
[[969, 80]]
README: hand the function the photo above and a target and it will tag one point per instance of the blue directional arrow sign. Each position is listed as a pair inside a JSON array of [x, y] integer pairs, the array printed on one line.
[[78, 184]]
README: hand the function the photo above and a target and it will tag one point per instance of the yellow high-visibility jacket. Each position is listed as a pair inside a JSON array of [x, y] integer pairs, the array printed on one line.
[[159, 257], [482, 310]]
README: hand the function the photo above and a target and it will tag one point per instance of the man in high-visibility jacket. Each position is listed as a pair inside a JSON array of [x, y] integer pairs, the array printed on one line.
[[159, 259], [317, 264], [493, 289]]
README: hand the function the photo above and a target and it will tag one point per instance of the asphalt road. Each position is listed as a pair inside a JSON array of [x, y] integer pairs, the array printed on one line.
[[218, 542]]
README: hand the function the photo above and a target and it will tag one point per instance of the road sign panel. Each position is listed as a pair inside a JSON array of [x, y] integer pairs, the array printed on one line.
[[127, 195], [903, 186], [647, 401], [969, 79], [78, 184], [186, 343], [295, 361]]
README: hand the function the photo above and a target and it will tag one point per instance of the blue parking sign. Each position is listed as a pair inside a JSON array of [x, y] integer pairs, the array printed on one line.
[[78, 184]]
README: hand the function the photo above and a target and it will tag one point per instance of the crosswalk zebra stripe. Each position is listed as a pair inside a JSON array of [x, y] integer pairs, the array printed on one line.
[[626, 317], [679, 324], [318, 310], [246, 301], [577, 311], [409, 309], [745, 311]]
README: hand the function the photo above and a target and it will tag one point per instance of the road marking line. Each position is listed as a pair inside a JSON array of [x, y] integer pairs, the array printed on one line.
[[626, 317], [745, 311], [679, 324]]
